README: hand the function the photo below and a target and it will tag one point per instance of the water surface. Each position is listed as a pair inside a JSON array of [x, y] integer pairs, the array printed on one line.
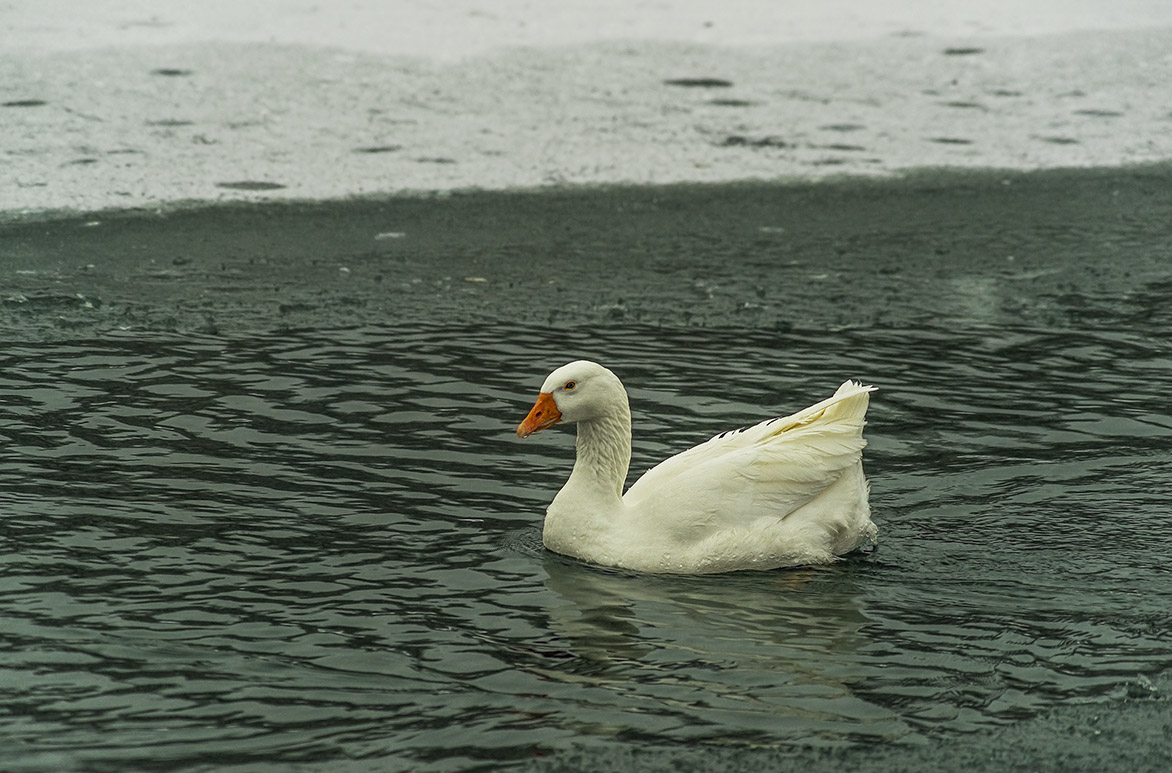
[[320, 548]]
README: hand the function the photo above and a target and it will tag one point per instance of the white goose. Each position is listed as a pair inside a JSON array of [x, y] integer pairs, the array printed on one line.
[[786, 492]]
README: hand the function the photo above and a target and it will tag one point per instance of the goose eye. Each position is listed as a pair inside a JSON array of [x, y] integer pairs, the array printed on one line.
[[570, 385]]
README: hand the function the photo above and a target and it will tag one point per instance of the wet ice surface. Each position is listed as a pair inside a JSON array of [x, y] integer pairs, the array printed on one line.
[[280, 103], [1053, 250], [322, 547]]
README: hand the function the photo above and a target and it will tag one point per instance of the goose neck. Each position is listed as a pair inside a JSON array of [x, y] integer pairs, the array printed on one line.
[[604, 450]]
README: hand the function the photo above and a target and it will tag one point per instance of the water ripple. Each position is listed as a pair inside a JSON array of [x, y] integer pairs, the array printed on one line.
[[323, 545]]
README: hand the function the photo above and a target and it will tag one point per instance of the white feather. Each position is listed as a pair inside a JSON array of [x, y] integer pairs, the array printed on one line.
[[784, 492]]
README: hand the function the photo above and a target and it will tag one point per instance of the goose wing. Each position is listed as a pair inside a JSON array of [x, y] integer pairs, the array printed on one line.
[[769, 469]]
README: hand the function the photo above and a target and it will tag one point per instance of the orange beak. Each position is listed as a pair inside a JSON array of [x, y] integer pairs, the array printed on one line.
[[544, 414]]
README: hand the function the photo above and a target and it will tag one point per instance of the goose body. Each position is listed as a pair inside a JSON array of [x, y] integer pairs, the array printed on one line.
[[786, 492]]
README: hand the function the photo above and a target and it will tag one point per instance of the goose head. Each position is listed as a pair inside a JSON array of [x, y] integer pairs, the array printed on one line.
[[578, 391]]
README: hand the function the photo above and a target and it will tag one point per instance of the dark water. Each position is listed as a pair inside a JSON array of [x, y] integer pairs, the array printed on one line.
[[320, 550]]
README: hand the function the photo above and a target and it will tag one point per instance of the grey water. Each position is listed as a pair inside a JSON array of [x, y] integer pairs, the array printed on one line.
[[320, 549]]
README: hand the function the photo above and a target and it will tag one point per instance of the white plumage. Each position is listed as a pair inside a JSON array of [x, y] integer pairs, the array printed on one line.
[[786, 492]]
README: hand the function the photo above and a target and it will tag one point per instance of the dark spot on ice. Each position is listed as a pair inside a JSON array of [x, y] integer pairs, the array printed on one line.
[[699, 83], [951, 141], [1099, 113], [81, 161], [829, 162], [1059, 140], [731, 102], [841, 146], [169, 122], [1005, 93], [436, 160], [805, 96], [966, 105], [171, 72], [741, 141], [25, 103], [963, 51], [379, 149], [250, 185], [842, 127]]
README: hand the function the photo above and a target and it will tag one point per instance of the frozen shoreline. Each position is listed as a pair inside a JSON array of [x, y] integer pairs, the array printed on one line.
[[161, 107]]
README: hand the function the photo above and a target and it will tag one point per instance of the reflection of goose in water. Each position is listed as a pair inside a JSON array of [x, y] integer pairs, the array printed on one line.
[[760, 654]]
